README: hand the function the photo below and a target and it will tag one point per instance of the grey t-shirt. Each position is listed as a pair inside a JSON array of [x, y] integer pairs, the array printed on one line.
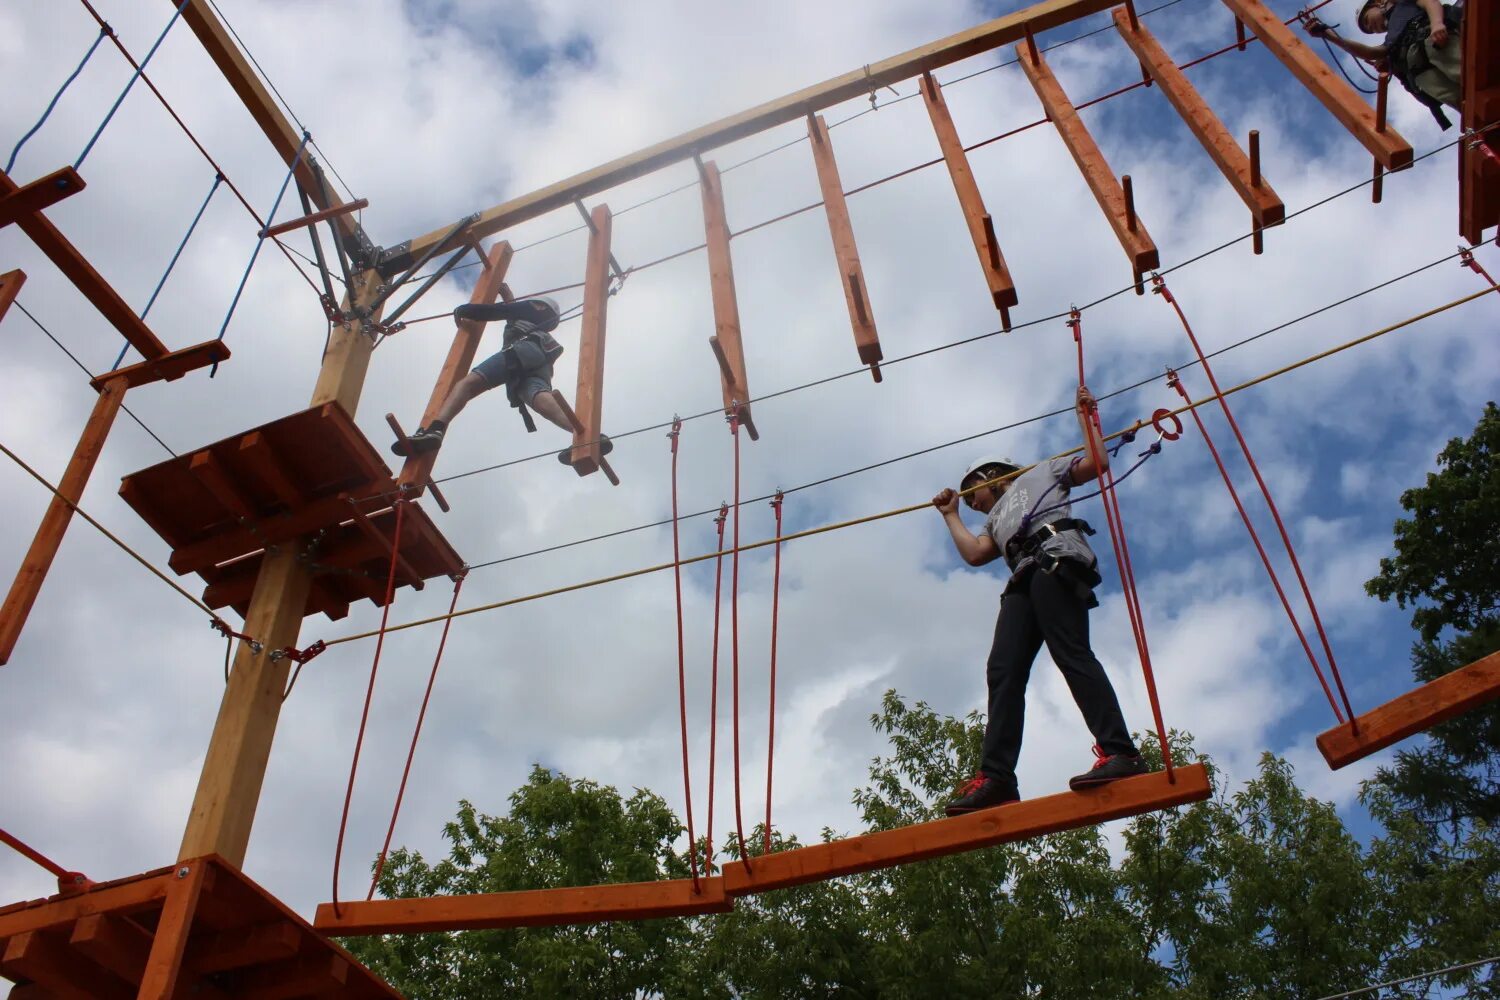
[[1398, 18], [1043, 486]]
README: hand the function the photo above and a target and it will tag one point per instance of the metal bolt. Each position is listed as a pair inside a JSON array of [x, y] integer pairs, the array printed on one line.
[[182, 872]]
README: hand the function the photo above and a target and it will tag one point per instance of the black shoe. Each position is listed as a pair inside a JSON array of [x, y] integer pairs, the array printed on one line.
[[981, 792], [1109, 768], [423, 441], [605, 447]]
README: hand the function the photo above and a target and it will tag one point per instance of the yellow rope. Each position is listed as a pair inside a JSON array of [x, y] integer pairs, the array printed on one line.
[[809, 532]]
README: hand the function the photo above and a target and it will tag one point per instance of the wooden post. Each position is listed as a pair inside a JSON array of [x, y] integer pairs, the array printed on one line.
[[587, 451], [49, 535], [10, 287], [1479, 154], [851, 274], [981, 224], [726, 343], [159, 981]]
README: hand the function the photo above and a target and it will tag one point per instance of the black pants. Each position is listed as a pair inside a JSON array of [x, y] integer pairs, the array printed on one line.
[[1045, 607]]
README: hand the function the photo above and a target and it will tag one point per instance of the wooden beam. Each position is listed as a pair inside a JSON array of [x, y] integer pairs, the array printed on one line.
[[270, 531], [981, 224], [726, 343], [528, 908], [316, 975], [387, 548], [1479, 155], [1028, 818], [1265, 207], [1342, 100], [88, 281], [315, 218], [113, 943], [184, 886], [210, 472], [169, 367], [10, 287], [1416, 711], [128, 896], [259, 456], [59, 514], [587, 451], [851, 273], [39, 194], [1108, 191], [258, 944], [45, 960]]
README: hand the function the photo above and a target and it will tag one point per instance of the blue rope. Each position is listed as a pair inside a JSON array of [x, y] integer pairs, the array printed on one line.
[[218, 179], [1152, 449], [103, 31], [134, 77], [260, 242]]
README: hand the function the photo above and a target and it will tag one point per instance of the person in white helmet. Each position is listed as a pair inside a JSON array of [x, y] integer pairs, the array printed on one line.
[[1046, 600], [523, 365]]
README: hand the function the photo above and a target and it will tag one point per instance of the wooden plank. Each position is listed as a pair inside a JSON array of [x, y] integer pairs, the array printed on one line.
[[305, 977], [726, 343], [49, 534], [388, 550], [527, 908], [209, 471], [184, 886], [1478, 173], [256, 453], [10, 287], [258, 944], [1101, 179], [88, 281], [1028, 818], [113, 943], [1342, 100], [1416, 711], [986, 244], [39, 194], [169, 367], [43, 959], [1266, 208], [127, 896], [220, 548], [587, 450], [315, 218], [851, 273]]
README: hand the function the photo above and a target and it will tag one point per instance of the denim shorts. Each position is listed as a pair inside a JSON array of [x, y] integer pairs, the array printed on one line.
[[496, 370]]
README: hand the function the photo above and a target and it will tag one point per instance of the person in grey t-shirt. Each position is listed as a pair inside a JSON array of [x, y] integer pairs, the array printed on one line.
[[1029, 521]]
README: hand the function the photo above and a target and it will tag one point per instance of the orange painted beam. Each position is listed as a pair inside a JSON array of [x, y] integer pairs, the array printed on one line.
[[168, 367], [1342, 100], [1266, 208], [142, 892], [45, 960], [10, 287], [589, 407], [317, 217], [726, 343], [851, 274], [1101, 180], [1028, 818], [49, 535], [1479, 155], [1414, 712], [528, 908], [39, 194], [981, 224]]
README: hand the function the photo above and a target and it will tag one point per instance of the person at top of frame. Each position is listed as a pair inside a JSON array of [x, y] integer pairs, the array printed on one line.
[[523, 365], [1029, 521], [1422, 48]]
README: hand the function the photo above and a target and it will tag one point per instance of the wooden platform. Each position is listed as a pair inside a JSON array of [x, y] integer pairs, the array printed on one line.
[[648, 900], [119, 940], [312, 480], [1479, 157]]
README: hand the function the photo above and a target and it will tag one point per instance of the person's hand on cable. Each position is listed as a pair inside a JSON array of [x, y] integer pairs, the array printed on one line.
[[946, 502]]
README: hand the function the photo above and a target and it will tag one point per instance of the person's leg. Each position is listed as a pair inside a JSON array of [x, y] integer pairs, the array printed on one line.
[[1017, 640], [1063, 619], [471, 385], [1441, 79], [543, 402]]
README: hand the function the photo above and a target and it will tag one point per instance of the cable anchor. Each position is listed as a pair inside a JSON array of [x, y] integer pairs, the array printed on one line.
[[222, 627], [299, 656]]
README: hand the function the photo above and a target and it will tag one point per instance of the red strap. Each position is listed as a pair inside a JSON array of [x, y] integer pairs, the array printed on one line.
[[775, 611], [687, 782], [734, 636], [1466, 258], [713, 698]]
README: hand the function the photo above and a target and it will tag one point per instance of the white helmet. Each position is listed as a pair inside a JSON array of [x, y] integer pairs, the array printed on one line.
[[986, 462], [550, 302]]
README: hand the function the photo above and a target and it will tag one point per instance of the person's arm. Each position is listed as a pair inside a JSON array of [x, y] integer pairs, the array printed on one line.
[[1438, 33], [1084, 470], [527, 309], [974, 550], [1370, 53]]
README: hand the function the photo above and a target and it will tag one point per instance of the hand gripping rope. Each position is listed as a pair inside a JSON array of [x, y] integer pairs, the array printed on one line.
[[713, 696], [775, 608], [1159, 286], [687, 783], [734, 632]]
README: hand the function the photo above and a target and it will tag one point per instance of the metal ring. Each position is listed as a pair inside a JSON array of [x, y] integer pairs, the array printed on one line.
[[1156, 419]]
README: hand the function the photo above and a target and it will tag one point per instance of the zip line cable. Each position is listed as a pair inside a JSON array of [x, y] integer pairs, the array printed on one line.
[[1411, 979]]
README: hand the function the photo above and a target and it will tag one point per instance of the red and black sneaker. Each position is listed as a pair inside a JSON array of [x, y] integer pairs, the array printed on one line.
[[1109, 767], [981, 792]]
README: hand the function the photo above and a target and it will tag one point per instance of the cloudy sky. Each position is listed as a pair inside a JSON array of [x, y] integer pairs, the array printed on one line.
[[435, 109]]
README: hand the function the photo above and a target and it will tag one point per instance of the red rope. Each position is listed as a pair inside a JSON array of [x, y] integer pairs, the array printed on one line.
[[775, 609], [1160, 287], [32, 854], [687, 782], [734, 633], [364, 718], [458, 584], [713, 698]]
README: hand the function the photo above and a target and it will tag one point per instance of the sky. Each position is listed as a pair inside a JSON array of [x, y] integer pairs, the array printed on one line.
[[432, 110]]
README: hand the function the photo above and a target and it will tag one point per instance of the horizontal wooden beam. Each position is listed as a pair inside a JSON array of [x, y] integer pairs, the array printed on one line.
[[168, 367], [1011, 27], [124, 897], [10, 287], [529, 908], [39, 194], [1414, 712], [315, 218]]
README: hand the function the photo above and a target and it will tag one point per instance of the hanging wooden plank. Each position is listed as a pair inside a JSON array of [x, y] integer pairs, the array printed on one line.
[[851, 273], [587, 452], [1114, 198], [981, 224], [1266, 208], [1414, 712], [1342, 100], [1479, 153], [39, 194], [10, 287], [169, 367], [726, 343]]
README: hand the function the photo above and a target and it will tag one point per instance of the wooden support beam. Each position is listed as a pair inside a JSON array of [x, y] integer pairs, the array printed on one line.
[[169, 367], [209, 471], [851, 273], [1266, 209], [1027, 818], [1414, 712], [313, 976], [981, 224], [270, 531], [39, 194], [528, 908], [43, 959], [1113, 198], [113, 943], [726, 343], [88, 281], [59, 514], [315, 218], [141, 893], [1479, 154], [1342, 100], [159, 981], [10, 287], [387, 548], [258, 944], [256, 453], [587, 452]]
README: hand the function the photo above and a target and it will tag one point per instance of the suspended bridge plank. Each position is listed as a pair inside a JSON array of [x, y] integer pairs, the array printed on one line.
[[1265, 207], [10, 287], [1414, 712], [1342, 100], [851, 274], [168, 367], [1111, 195], [528, 908], [1028, 818], [981, 224], [1479, 156], [39, 194], [726, 342], [587, 450]]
